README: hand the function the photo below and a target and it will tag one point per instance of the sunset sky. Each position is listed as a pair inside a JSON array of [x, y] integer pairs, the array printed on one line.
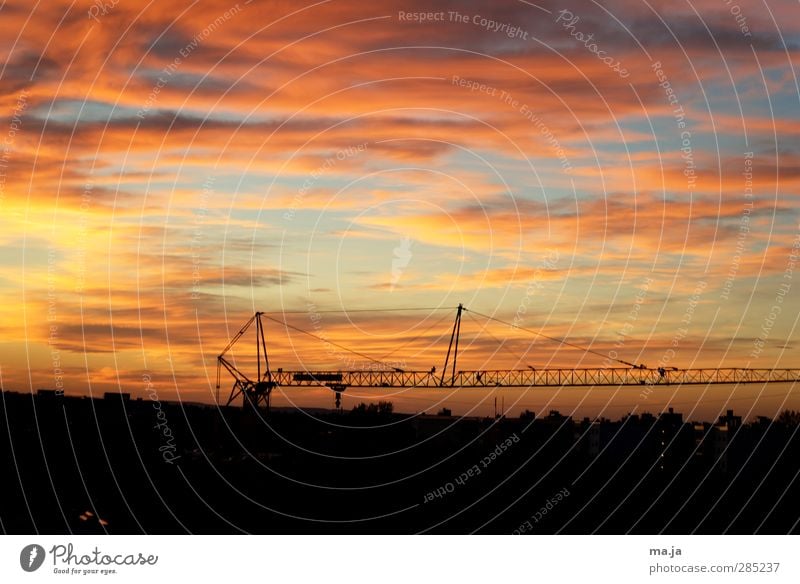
[[622, 174]]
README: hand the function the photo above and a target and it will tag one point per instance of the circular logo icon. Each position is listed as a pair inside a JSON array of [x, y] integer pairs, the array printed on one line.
[[31, 557]]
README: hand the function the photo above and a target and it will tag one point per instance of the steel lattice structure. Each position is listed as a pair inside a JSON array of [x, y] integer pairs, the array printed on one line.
[[534, 378], [257, 390]]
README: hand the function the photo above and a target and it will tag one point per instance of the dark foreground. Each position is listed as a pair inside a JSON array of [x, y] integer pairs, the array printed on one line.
[[68, 463]]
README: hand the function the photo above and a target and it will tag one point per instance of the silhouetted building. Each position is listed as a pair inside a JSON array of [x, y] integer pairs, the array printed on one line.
[[48, 394], [116, 396], [730, 421]]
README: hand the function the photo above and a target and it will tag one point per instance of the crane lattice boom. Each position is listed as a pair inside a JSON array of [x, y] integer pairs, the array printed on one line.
[[535, 378], [258, 389]]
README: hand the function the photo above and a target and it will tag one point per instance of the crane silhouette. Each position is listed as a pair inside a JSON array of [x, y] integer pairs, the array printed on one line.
[[256, 391]]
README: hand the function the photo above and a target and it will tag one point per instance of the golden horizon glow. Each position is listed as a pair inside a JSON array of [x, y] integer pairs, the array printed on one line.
[[166, 171]]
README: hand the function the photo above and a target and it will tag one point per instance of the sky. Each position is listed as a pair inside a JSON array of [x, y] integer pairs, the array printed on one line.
[[623, 175]]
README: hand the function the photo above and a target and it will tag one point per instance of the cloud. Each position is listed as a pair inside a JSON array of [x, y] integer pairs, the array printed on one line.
[[147, 181]]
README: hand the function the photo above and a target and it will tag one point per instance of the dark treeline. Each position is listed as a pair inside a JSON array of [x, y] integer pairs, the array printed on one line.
[[80, 465]]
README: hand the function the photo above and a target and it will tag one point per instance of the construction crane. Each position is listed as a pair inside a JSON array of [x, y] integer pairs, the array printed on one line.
[[257, 391], [253, 391]]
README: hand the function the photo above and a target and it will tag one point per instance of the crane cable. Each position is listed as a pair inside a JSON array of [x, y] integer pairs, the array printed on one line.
[[402, 346], [324, 340], [520, 358], [342, 311], [561, 341], [486, 316], [305, 332]]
